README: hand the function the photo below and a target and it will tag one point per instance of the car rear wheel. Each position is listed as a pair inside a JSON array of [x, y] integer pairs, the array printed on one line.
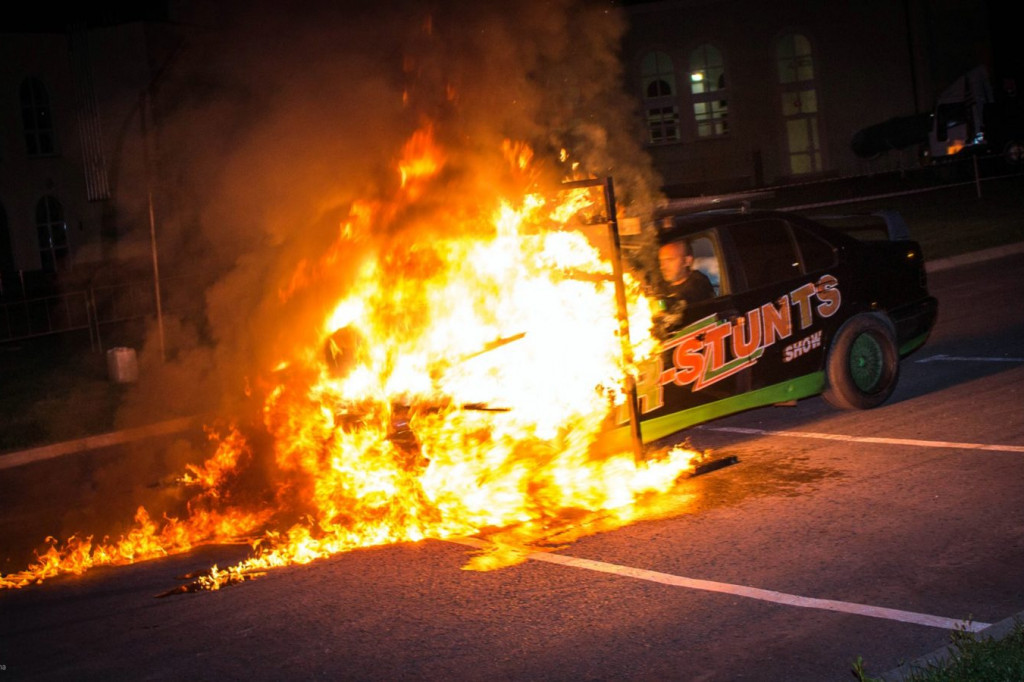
[[863, 364]]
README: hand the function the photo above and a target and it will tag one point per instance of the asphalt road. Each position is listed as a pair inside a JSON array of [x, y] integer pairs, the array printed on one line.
[[896, 516]]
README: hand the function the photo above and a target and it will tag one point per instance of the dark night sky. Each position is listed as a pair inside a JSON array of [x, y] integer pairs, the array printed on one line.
[[1003, 23], [44, 18], [1007, 51]]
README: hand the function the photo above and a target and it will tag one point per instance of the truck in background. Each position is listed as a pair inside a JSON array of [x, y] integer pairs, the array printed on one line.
[[970, 118]]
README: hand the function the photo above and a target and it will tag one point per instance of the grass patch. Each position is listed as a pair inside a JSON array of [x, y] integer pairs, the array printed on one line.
[[953, 221], [970, 658], [944, 212]]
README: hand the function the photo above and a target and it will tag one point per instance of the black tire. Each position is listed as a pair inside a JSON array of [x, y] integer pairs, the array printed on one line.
[[863, 363]]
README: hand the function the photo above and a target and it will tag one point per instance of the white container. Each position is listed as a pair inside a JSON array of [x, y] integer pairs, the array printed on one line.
[[122, 365]]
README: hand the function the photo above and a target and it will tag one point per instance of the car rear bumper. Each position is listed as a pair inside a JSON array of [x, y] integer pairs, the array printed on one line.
[[914, 322]]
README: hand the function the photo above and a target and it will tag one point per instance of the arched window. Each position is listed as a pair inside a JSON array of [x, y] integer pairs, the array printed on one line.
[[658, 78], [795, 60], [799, 103], [37, 119], [707, 88], [54, 249]]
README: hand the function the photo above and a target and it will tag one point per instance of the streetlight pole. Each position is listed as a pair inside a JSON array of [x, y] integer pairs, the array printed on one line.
[[143, 112]]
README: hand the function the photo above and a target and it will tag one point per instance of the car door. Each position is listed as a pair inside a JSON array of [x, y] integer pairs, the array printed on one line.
[[681, 385], [788, 294]]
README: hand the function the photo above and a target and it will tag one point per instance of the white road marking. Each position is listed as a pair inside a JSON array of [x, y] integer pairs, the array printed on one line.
[[868, 439], [957, 358], [15, 459], [743, 590]]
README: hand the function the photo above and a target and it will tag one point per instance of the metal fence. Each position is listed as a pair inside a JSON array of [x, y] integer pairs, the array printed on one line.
[[87, 310]]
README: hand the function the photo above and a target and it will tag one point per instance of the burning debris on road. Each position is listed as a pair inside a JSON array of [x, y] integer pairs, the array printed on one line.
[[439, 364]]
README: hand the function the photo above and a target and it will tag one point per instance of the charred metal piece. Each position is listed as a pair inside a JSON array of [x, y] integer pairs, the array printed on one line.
[[714, 465], [344, 349]]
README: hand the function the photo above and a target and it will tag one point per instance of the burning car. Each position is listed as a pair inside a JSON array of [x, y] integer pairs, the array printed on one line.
[[801, 307], [502, 378]]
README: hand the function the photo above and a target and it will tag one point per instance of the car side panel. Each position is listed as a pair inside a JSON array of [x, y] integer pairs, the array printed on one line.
[[768, 344]]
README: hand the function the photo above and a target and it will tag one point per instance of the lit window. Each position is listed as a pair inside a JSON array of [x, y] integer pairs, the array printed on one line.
[[795, 61], [659, 92], [799, 104], [54, 249], [707, 89], [37, 118]]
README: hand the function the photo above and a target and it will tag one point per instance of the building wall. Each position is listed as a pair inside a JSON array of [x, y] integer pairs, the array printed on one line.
[[23, 179], [872, 61], [93, 79]]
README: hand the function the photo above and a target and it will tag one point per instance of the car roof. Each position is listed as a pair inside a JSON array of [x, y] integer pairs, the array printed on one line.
[[672, 226]]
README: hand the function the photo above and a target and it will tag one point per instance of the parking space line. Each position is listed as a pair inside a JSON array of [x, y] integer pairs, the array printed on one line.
[[743, 590], [868, 439], [958, 358]]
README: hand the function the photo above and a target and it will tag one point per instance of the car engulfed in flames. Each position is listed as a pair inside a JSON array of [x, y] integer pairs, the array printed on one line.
[[454, 386]]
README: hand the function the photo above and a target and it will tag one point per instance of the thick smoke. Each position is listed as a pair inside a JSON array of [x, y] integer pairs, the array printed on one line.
[[274, 118]]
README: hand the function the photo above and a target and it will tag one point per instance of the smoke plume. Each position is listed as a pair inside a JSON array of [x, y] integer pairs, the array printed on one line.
[[274, 119]]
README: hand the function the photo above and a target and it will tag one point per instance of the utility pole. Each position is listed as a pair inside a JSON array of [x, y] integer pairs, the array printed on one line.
[[144, 112]]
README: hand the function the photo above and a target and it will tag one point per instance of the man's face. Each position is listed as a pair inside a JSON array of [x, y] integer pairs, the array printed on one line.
[[675, 262]]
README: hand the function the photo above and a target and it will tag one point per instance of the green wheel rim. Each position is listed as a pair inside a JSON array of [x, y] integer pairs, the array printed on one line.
[[867, 362]]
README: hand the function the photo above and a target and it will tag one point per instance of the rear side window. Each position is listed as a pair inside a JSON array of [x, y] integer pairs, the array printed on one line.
[[705, 259], [766, 252], [817, 253]]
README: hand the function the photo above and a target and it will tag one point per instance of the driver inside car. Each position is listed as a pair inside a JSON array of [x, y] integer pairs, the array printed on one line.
[[685, 284]]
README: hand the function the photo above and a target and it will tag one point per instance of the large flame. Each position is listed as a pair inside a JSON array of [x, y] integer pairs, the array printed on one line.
[[455, 387]]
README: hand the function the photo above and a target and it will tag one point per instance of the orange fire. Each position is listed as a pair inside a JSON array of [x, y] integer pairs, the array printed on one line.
[[455, 387]]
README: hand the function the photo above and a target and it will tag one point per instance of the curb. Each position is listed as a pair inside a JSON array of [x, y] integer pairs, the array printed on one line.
[[940, 656], [974, 257], [10, 460]]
